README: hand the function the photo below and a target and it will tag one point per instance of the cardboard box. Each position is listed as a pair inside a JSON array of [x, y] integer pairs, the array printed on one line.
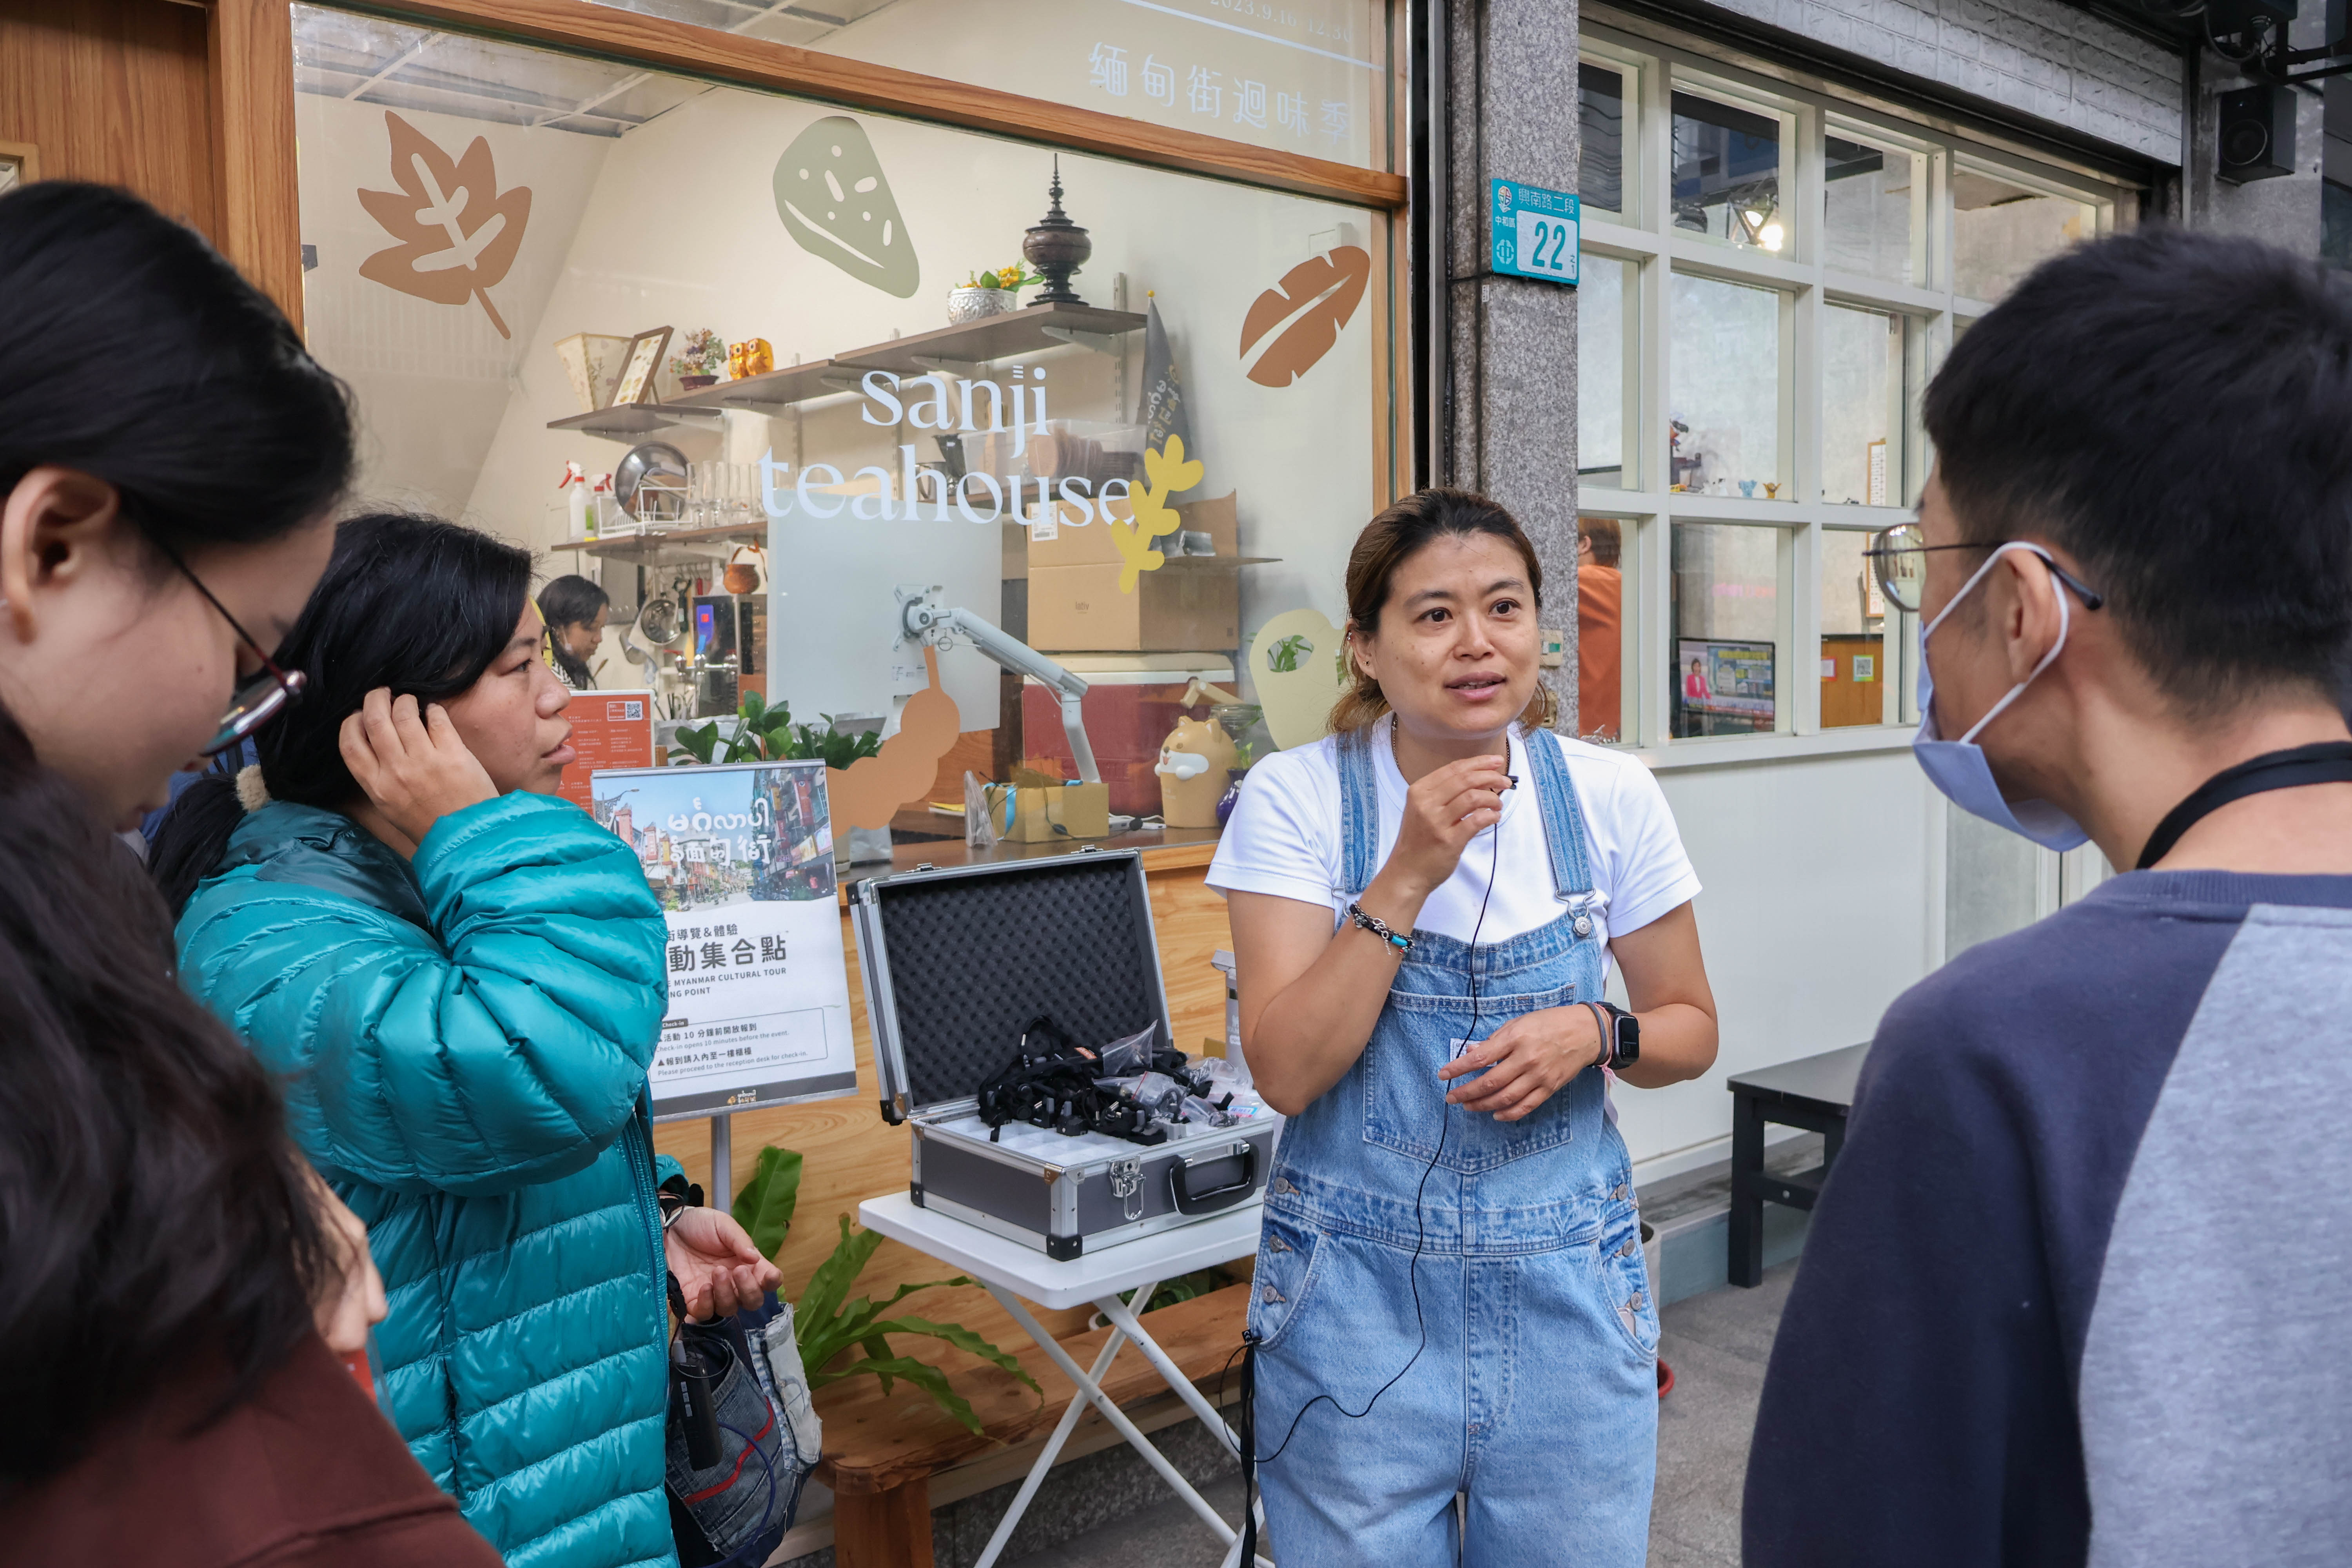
[[1051, 814], [1080, 609], [1053, 541]]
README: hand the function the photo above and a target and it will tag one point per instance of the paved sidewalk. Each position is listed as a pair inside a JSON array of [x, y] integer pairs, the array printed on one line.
[[1717, 1344]]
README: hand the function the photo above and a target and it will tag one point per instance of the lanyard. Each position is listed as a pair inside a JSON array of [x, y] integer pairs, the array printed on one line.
[[2329, 762]]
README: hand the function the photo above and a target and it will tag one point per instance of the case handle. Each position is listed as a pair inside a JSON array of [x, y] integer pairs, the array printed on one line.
[[1188, 1202]]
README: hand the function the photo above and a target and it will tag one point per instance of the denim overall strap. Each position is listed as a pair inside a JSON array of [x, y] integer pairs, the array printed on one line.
[[1563, 821], [1360, 810]]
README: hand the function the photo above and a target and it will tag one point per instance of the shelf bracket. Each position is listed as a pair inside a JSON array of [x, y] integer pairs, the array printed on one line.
[[965, 370], [1101, 342]]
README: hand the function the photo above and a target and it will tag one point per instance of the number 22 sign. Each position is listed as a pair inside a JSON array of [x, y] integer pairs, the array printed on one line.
[[1534, 232]]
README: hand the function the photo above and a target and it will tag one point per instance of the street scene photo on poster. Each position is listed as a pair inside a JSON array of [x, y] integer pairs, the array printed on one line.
[[741, 859]]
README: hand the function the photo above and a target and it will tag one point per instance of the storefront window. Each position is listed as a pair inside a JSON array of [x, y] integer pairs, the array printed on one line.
[[1601, 123], [1725, 387], [1861, 406], [2001, 229], [1731, 632], [1854, 674], [1307, 76], [1606, 316], [1727, 173], [1874, 208], [512, 294]]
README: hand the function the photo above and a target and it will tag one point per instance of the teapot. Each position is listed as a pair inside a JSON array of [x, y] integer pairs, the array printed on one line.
[[740, 575]]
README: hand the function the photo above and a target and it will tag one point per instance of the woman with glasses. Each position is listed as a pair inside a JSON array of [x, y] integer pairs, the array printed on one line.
[[178, 1286], [463, 979]]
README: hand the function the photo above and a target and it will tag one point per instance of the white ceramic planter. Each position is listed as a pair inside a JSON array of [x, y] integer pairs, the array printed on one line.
[[978, 304]]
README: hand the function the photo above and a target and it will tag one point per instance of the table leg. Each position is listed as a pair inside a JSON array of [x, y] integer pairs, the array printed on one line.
[[1122, 1316], [1052, 1451], [1111, 1413], [884, 1530], [1746, 1264]]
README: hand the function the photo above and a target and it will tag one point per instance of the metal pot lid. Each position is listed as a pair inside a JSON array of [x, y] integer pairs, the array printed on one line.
[[648, 459]]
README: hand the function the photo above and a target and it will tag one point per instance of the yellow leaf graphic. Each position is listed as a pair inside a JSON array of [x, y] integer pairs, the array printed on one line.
[[1165, 473], [457, 232]]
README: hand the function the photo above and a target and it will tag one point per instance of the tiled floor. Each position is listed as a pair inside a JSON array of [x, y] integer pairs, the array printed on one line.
[[1717, 1344]]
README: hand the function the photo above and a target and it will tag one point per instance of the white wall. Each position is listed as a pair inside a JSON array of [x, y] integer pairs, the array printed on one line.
[[1822, 877]]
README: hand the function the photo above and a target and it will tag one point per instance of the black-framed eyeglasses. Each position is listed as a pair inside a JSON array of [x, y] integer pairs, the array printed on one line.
[[258, 701], [1898, 556]]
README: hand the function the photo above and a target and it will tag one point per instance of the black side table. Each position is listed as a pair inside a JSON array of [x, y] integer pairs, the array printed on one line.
[[1815, 1094]]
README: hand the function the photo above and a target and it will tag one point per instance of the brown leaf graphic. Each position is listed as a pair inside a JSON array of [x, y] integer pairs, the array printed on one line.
[[458, 234], [1317, 298]]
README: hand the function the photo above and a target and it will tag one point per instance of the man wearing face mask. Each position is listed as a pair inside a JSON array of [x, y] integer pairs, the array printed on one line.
[[2036, 1321]]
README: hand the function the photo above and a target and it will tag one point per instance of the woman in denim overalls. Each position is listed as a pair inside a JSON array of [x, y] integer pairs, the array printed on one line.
[[1451, 1168]]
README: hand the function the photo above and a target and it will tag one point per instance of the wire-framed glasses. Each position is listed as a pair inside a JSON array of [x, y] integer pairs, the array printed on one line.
[[256, 702], [1898, 556]]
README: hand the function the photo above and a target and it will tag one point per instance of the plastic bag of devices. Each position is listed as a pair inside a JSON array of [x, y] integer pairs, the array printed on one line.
[[1130, 1088]]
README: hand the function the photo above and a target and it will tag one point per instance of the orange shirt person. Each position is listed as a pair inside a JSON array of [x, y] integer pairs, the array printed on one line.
[[1600, 622]]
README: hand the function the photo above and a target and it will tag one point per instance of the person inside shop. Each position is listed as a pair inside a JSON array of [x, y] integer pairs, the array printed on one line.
[[461, 978], [1450, 1294], [2041, 1318], [574, 610], [180, 1288], [1600, 623]]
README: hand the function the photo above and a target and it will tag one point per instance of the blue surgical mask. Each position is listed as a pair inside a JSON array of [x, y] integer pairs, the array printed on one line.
[[1958, 767]]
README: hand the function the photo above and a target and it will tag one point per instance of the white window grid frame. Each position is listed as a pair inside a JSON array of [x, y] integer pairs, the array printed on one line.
[[1643, 238]]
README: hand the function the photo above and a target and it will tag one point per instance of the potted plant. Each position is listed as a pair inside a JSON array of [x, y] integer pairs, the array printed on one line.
[[698, 360], [985, 294]]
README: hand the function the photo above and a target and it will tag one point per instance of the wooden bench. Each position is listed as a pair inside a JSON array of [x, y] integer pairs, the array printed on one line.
[[1816, 1094], [881, 1451]]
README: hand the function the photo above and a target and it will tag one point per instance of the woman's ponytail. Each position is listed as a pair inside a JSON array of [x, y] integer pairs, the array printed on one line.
[[190, 839]]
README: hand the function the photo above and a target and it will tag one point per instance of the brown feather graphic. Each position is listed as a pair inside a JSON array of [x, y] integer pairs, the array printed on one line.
[[1317, 298], [458, 232]]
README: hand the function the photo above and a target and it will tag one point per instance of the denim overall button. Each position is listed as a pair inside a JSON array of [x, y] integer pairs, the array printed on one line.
[[1625, 1251], [1282, 1187], [1273, 1295], [1617, 1193], [1583, 926], [1275, 1244], [1634, 1305]]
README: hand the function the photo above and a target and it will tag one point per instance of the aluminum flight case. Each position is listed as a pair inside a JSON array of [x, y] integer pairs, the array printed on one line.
[[954, 963]]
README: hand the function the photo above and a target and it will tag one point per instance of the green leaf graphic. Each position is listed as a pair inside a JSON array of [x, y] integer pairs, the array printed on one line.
[[836, 203]]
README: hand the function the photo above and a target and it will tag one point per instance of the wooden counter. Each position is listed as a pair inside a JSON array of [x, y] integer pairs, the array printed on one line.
[[851, 1153]]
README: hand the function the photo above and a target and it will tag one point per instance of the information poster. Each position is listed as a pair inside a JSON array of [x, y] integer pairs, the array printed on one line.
[[609, 730], [741, 859], [1723, 687]]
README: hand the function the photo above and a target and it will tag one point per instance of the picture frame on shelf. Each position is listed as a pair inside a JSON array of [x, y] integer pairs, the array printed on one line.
[[639, 370]]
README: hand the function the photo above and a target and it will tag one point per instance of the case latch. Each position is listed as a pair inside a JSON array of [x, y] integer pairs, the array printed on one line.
[[1127, 1185]]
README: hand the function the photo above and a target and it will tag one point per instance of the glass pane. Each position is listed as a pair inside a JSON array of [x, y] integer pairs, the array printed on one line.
[[1854, 676], [1604, 325], [1601, 115], [1862, 379], [1869, 210], [1727, 174], [2001, 231], [1305, 76], [1600, 628], [1728, 628], [1724, 380], [881, 426]]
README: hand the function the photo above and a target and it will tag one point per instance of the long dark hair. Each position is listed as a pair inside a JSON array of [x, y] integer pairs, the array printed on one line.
[[152, 1211], [1399, 534], [570, 601], [409, 602]]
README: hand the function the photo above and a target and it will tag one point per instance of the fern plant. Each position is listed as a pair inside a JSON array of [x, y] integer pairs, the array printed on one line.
[[840, 1337], [765, 734]]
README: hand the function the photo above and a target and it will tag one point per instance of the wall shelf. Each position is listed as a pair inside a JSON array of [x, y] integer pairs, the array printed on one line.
[[957, 350], [670, 547]]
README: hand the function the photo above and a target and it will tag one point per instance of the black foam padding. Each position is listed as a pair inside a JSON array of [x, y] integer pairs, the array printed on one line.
[[974, 957]]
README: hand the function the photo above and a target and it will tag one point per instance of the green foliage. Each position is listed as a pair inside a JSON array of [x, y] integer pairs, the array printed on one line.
[[1284, 654], [765, 734], [828, 1327], [1184, 1288]]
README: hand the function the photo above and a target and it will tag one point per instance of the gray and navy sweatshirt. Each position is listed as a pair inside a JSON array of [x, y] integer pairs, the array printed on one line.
[[2080, 1286]]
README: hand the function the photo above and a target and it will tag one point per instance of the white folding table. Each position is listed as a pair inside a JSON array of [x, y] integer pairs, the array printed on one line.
[[1015, 1274]]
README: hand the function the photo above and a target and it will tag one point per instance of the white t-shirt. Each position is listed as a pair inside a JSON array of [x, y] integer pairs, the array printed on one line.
[[1285, 839]]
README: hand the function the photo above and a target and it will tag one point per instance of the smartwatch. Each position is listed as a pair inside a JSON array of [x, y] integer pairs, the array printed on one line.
[[1622, 1031]]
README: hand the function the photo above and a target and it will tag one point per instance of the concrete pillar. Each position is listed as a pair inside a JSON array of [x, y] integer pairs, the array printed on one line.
[[1511, 114]]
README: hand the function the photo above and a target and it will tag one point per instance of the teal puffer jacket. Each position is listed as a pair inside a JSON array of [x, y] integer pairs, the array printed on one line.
[[464, 1042]]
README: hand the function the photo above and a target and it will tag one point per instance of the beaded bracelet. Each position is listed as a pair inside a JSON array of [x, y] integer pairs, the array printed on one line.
[[1378, 928]]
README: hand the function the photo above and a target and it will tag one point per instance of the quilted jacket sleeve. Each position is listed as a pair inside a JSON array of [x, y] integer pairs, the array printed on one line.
[[511, 1051]]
